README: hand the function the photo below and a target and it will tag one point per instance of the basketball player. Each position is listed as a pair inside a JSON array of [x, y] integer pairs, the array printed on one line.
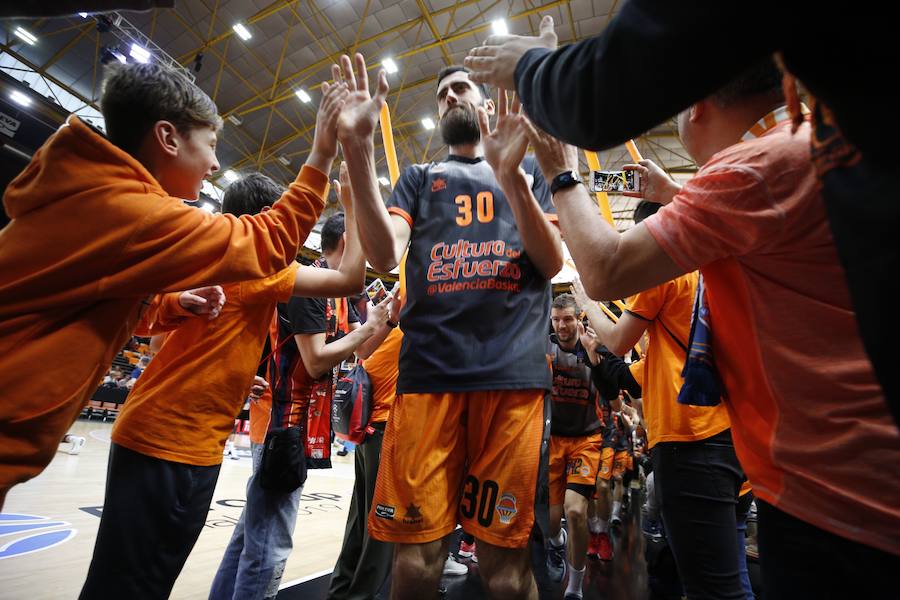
[[464, 439]]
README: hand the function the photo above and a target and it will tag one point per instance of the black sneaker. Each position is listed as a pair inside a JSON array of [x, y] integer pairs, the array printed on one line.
[[556, 559]]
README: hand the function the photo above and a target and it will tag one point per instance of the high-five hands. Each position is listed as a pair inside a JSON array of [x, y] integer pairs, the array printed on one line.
[[494, 62], [361, 109], [505, 145]]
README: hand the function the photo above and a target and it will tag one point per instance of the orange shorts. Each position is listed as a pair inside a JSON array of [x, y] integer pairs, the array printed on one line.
[[469, 457], [572, 460], [613, 464]]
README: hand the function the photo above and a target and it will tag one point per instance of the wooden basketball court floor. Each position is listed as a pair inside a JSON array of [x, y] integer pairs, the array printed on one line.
[[69, 495]]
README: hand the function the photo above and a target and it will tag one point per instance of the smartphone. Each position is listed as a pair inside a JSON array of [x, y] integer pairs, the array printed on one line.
[[615, 181], [376, 291]]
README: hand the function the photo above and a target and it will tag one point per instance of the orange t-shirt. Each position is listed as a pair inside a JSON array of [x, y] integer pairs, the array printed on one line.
[[668, 308], [183, 407], [637, 371], [383, 367], [811, 426]]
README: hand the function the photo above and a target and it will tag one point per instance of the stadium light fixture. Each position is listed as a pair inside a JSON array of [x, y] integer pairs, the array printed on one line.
[[427, 123], [25, 36], [499, 27], [242, 31], [20, 98], [231, 176], [304, 97], [139, 54], [389, 65]]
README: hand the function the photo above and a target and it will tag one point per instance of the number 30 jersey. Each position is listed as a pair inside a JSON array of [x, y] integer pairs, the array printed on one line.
[[477, 309]]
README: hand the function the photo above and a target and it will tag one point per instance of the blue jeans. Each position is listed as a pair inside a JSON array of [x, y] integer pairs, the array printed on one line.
[[259, 548]]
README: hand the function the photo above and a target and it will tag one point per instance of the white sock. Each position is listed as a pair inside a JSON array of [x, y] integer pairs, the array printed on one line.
[[616, 508], [597, 525], [575, 579]]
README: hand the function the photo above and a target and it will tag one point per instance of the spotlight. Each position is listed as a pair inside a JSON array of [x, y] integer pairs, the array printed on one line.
[[20, 98], [389, 65], [427, 123], [231, 176], [139, 54], [304, 97], [242, 31], [499, 27], [25, 36]]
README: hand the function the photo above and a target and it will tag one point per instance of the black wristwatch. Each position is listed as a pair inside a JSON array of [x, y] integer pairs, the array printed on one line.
[[566, 179]]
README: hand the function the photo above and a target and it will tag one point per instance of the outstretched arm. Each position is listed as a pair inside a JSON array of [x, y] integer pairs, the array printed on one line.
[[350, 276], [356, 130], [504, 149]]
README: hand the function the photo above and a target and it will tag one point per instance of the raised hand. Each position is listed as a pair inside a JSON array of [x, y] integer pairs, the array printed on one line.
[[361, 109], [342, 189], [505, 146], [376, 315], [495, 61], [553, 156], [655, 184], [207, 300], [325, 142]]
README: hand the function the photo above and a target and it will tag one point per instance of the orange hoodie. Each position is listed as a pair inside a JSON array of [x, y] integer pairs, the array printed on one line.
[[92, 235]]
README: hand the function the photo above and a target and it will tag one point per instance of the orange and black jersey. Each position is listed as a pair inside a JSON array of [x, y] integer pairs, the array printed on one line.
[[575, 397], [477, 308]]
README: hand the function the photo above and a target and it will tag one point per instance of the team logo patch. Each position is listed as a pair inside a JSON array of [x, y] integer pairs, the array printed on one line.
[[506, 508], [33, 534], [585, 471], [384, 511], [413, 515], [438, 184]]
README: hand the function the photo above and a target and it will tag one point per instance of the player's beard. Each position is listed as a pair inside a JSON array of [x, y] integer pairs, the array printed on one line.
[[459, 125]]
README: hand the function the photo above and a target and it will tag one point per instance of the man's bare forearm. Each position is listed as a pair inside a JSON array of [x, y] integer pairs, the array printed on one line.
[[539, 238], [376, 231], [591, 240]]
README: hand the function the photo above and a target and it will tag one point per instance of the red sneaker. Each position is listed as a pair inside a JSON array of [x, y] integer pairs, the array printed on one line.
[[604, 547], [467, 550]]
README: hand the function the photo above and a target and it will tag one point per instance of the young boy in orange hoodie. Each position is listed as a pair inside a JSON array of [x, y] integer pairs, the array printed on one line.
[[98, 224], [168, 439]]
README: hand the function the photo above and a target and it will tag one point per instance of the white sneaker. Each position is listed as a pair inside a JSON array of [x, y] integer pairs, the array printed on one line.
[[77, 443], [453, 567]]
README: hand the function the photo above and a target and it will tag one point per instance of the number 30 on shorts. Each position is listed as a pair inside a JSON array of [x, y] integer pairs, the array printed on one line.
[[479, 502]]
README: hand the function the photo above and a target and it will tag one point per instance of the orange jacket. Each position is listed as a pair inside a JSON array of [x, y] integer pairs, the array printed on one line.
[[92, 235]]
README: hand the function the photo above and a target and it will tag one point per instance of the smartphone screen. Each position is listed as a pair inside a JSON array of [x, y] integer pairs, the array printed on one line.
[[615, 181], [376, 291]]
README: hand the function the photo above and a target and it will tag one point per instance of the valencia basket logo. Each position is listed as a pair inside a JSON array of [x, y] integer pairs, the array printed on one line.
[[26, 534]]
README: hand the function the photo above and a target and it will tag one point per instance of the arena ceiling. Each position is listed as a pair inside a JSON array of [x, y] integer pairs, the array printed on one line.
[[255, 81]]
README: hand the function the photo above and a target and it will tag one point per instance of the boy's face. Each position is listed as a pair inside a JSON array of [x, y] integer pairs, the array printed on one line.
[[192, 158]]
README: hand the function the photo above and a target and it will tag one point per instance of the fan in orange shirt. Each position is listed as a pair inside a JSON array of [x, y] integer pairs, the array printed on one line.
[[167, 442]]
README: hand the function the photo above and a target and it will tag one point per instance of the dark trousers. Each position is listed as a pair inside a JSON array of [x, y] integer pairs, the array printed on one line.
[[800, 561], [364, 563], [697, 485], [152, 515]]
